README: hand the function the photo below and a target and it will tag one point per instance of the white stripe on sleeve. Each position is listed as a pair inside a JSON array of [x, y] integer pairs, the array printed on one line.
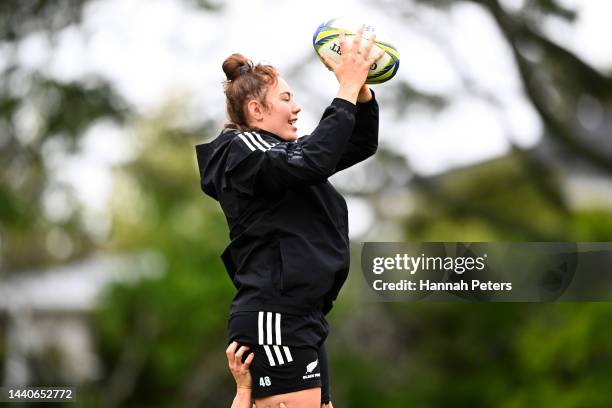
[[246, 142], [255, 142], [268, 145], [269, 354]]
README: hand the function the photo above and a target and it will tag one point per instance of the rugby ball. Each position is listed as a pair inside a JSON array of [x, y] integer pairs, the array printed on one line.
[[326, 41]]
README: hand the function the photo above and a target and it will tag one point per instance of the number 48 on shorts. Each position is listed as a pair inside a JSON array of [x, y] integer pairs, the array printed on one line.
[[265, 381]]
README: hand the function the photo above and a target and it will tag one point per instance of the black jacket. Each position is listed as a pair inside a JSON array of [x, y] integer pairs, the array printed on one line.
[[289, 249]]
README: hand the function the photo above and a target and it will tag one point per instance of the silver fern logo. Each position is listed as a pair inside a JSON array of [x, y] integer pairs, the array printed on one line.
[[310, 368]]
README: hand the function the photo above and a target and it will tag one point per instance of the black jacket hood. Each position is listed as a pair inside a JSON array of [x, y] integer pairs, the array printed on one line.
[[211, 161]]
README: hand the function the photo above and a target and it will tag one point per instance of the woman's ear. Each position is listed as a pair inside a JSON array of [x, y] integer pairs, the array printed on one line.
[[255, 110]]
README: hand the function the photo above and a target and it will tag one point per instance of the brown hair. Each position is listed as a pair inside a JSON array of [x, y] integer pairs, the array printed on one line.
[[245, 81]]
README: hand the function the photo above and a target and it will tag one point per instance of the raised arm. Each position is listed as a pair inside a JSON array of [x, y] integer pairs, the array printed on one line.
[[363, 142]]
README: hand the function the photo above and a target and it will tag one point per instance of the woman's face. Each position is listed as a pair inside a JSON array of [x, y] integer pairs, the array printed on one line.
[[282, 113]]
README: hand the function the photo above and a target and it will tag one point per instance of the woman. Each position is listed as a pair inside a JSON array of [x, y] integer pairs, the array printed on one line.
[[289, 250]]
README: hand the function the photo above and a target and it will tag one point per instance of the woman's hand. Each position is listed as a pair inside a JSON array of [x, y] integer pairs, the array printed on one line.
[[241, 374], [239, 370], [352, 70]]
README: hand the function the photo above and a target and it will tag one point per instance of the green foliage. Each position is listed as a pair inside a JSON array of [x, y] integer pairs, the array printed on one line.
[[489, 202], [508, 355], [41, 117]]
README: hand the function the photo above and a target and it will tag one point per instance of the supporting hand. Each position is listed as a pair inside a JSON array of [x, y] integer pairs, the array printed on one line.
[[240, 372]]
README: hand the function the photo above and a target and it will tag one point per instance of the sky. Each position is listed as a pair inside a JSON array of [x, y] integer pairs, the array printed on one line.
[[154, 50]]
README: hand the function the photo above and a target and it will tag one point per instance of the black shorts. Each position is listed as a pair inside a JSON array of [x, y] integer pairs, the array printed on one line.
[[289, 351]]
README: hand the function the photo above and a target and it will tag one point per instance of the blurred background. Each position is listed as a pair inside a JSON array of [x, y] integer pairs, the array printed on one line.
[[498, 127]]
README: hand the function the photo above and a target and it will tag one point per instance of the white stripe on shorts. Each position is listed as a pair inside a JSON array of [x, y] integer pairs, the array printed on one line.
[[269, 354], [278, 329], [279, 356], [272, 334], [260, 327], [287, 354], [269, 327]]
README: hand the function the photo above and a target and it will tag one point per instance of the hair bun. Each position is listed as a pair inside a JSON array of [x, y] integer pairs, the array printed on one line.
[[232, 65]]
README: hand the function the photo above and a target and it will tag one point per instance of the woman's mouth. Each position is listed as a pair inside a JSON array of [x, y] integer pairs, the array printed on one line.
[[292, 123]]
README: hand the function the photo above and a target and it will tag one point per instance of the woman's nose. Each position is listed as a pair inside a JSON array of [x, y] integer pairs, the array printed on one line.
[[296, 108]]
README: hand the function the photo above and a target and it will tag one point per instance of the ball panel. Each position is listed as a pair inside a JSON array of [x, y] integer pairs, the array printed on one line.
[[325, 36], [389, 50], [387, 76], [316, 33]]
